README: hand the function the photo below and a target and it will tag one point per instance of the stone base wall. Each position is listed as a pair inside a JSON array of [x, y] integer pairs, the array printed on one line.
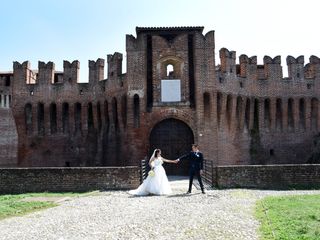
[[22, 180], [295, 176]]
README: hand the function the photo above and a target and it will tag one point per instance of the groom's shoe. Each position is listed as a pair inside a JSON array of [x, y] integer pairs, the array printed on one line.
[[189, 192], [203, 192]]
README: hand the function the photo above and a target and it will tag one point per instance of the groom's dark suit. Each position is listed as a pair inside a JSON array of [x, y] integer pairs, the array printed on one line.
[[196, 164]]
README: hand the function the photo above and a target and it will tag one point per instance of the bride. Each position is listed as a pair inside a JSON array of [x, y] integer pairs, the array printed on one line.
[[157, 181]]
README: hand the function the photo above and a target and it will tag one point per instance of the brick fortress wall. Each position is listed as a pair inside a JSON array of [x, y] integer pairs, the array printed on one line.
[[21, 180], [239, 113], [61, 122], [148, 55], [263, 117], [8, 131], [291, 176]]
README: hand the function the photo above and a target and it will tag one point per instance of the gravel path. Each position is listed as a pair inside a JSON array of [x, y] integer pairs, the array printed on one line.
[[219, 214]]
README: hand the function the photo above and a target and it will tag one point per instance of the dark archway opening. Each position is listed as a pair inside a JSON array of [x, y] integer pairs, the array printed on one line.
[[174, 138]]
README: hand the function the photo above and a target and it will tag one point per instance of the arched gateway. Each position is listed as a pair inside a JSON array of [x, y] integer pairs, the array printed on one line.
[[174, 138]]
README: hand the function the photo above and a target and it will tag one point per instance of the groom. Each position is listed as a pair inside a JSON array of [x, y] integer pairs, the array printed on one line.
[[195, 158]]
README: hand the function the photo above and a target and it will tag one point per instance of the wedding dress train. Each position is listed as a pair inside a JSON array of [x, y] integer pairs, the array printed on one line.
[[157, 184]]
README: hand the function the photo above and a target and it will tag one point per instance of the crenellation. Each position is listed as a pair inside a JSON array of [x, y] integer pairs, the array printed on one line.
[[314, 59], [58, 77], [131, 43], [71, 71], [22, 72], [270, 60], [295, 67], [272, 68], [114, 65], [209, 40], [46, 72], [244, 113], [24, 65], [96, 70], [227, 61], [248, 66], [315, 66]]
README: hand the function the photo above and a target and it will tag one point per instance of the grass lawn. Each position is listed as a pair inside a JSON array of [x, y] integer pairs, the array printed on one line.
[[12, 205], [289, 217]]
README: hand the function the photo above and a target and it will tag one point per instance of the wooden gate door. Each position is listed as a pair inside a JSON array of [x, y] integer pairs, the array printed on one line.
[[174, 138]]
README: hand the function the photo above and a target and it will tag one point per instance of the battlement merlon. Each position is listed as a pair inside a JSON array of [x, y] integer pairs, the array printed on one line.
[[272, 67], [295, 67], [209, 40], [114, 65], [22, 71], [71, 71], [131, 43], [24, 65], [227, 60], [315, 66], [248, 66], [96, 70], [46, 72]]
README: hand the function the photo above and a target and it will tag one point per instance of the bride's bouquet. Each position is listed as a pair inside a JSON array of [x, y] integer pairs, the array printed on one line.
[[151, 173]]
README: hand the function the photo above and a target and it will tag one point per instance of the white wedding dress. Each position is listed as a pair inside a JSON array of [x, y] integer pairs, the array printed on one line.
[[157, 184]]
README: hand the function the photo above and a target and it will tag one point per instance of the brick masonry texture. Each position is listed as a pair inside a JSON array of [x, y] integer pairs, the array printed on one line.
[[8, 139], [239, 114], [22, 180], [302, 176]]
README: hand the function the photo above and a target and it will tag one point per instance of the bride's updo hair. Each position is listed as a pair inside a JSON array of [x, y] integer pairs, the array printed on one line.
[[156, 152]]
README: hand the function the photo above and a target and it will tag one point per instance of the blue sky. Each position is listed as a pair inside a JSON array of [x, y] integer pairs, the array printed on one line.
[[57, 30]]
